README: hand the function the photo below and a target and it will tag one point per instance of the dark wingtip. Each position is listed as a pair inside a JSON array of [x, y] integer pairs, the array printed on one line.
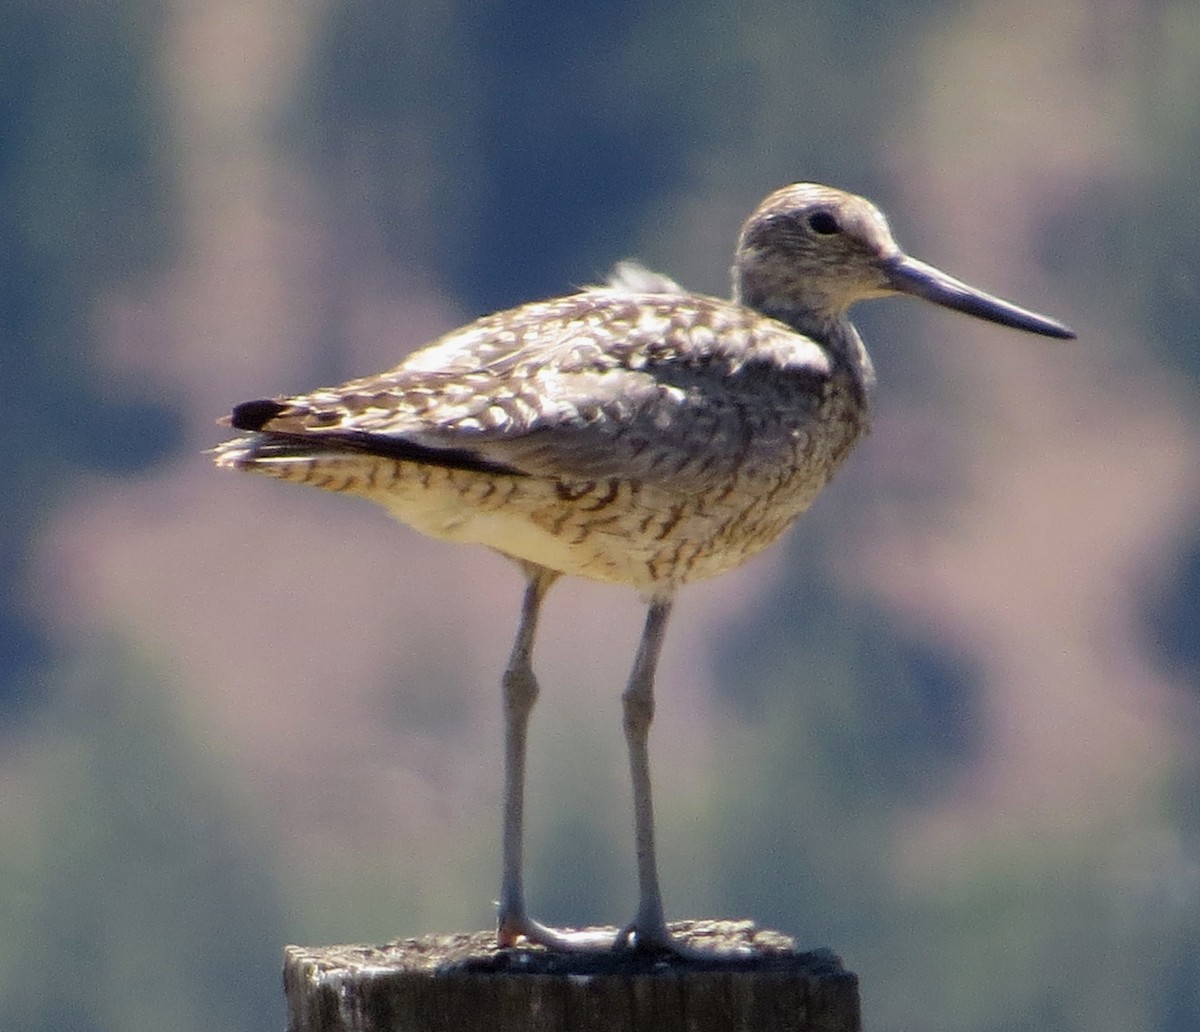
[[254, 415]]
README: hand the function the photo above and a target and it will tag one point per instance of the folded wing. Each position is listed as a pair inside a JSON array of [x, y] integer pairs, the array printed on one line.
[[603, 384]]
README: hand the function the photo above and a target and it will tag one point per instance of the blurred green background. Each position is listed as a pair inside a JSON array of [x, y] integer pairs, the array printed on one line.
[[949, 728]]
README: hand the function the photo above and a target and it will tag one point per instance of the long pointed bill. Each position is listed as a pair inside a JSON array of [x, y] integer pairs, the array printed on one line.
[[913, 277]]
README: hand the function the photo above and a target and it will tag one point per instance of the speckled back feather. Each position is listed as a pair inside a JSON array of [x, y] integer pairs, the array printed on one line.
[[604, 383]]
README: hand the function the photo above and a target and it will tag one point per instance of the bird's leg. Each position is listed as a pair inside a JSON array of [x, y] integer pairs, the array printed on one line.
[[648, 930], [520, 693]]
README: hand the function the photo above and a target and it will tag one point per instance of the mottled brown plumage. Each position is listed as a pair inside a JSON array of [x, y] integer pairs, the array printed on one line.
[[632, 433]]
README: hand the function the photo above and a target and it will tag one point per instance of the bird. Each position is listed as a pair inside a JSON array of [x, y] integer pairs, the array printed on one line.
[[632, 433]]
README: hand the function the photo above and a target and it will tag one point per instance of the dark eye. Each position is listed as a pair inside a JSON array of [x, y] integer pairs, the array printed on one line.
[[824, 223]]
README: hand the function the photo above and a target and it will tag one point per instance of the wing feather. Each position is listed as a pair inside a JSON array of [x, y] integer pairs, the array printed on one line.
[[608, 383]]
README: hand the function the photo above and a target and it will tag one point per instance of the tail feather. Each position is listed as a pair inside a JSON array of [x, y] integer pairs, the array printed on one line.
[[261, 448], [254, 415]]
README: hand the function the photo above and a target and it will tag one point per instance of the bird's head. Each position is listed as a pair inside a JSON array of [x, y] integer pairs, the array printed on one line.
[[809, 252]]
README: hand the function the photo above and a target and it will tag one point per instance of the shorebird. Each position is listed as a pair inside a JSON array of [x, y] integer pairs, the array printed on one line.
[[632, 433]]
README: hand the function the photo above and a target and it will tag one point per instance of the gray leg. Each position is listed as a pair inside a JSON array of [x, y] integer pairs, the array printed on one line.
[[520, 693], [648, 928]]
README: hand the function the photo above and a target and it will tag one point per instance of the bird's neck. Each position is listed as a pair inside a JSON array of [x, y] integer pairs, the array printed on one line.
[[834, 332]]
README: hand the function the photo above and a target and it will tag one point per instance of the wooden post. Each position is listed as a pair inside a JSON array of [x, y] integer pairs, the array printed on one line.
[[464, 983]]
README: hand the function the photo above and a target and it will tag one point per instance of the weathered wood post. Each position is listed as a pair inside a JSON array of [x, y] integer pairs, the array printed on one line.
[[463, 983]]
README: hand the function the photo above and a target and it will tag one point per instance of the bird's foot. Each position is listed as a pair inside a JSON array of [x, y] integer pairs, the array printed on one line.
[[655, 937], [566, 940], [639, 936]]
